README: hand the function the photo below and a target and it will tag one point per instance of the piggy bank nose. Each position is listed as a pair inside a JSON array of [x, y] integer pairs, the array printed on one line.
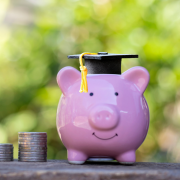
[[104, 117]]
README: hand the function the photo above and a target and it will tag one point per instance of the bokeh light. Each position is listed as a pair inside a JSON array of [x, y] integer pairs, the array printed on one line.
[[37, 36]]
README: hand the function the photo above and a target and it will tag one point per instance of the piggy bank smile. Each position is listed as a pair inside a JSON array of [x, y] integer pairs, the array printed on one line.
[[104, 138]]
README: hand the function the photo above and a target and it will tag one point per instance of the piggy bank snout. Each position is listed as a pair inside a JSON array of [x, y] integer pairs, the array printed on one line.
[[104, 117]]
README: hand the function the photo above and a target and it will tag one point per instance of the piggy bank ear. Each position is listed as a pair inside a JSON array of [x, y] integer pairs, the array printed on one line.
[[67, 77], [139, 76]]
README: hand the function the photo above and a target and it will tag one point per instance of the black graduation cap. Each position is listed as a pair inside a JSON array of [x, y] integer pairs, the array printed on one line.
[[103, 62]]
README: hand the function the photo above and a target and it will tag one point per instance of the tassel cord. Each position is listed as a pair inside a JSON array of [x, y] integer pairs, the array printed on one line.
[[84, 85]]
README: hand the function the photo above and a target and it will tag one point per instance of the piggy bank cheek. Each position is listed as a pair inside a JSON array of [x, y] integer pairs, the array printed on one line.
[[104, 117], [81, 122]]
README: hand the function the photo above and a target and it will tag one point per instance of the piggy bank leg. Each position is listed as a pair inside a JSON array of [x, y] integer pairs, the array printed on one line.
[[76, 157], [128, 157]]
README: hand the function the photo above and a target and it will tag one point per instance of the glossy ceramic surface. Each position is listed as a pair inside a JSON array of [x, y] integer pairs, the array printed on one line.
[[110, 121]]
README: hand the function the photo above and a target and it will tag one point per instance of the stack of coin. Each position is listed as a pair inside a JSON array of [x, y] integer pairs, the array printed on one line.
[[32, 147], [6, 152]]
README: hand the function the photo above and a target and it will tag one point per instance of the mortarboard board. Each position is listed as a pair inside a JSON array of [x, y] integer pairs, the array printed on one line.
[[99, 63], [103, 63]]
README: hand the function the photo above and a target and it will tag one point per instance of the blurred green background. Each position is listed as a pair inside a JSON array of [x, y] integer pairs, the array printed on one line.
[[36, 37]]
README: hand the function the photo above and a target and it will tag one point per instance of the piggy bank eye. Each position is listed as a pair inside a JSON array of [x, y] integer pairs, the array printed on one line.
[[116, 93], [91, 94]]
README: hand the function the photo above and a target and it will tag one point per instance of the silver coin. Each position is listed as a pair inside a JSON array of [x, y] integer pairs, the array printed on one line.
[[35, 157], [32, 139], [40, 161], [1, 158], [31, 153], [5, 160], [6, 155], [37, 151], [20, 160], [32, 149], [6, 145], [32, 134], [6, 152], [32, 159], [30, 142], [40, 137], [33, 143], [6, 149], [8, 159]]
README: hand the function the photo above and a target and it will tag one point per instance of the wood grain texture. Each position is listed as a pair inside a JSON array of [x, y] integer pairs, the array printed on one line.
[[62, 170]]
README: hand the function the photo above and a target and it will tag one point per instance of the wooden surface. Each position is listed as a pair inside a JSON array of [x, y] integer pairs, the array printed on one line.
[[62, 170]]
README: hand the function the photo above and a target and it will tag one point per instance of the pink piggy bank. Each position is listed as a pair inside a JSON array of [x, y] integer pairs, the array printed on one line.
[[110, 121]]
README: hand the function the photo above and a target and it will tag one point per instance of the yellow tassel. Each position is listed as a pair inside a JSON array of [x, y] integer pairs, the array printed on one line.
[[84, 85]]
